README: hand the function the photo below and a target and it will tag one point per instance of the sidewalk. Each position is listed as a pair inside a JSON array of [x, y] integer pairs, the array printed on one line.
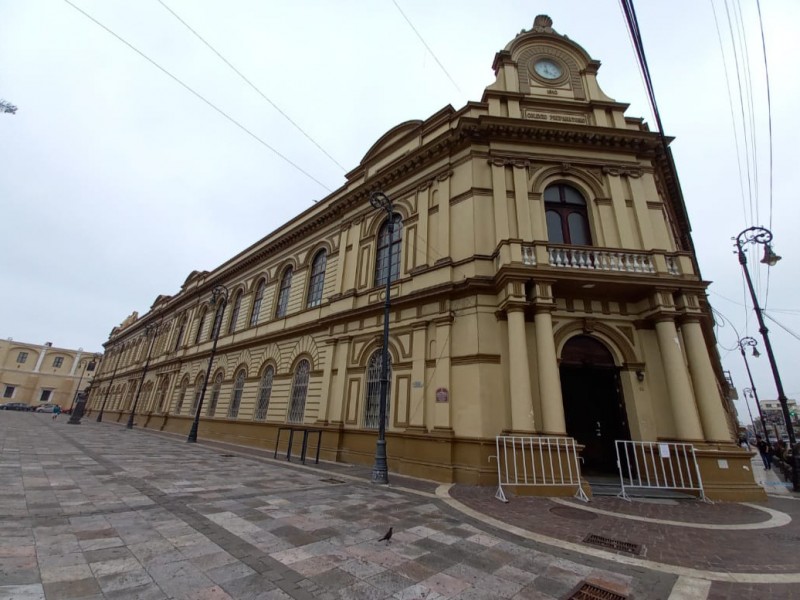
[[96, 511]]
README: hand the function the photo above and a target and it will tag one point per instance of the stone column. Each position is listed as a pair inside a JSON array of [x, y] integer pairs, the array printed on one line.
[[684, 410], [336, 408], [325, 400], [709, 402], [549, 377], [519, 371], [416, 410], [442, 410]]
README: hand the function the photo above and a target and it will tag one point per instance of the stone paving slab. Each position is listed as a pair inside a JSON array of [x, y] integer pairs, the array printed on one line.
[[98, 511]]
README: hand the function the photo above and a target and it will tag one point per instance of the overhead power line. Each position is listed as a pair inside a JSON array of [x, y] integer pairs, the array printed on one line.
[[428, 48], [251, 84], [200, 97]]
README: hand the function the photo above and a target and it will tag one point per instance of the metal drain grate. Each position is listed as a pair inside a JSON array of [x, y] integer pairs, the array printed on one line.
[[332, 480], [611, 543], [591, 592]]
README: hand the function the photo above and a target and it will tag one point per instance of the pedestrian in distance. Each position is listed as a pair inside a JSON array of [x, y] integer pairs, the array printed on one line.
[[765, 450], [56, 411]]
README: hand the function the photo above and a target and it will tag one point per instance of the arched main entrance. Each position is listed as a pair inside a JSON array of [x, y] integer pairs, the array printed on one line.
[[594, 408]]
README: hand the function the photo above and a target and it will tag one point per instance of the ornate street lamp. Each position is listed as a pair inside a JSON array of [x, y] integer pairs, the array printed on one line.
[[748, 342], [218, 294], [151, 331], [760, 235], [110, 383], [380, 470], [76, 408]]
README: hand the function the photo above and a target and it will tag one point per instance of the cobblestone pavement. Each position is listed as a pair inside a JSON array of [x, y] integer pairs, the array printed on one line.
[[96, 511]]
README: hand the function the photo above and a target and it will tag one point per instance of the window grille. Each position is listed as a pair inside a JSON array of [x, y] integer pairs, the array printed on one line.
[[372, 403], [198, 389], [181, 329], [317, 279], [237, 305], [181, 397], [264, 392], [212, 404], [161, 395], [388, 252], [299, 392], [283, 297], [236, 397], [200, 325], [217, 321], [58, 361], [257, 304]]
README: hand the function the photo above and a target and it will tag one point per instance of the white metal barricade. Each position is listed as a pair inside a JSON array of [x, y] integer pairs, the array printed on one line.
[[537, 461], [658, 465]]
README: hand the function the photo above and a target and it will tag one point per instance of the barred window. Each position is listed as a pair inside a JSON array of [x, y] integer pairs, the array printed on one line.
[[264, 392], [283, 296], [198, 390], [236, 396], [181, 330], [200, 324], [217, 320], [259, 297], [182, 396], [161, 394], [317, 279], [237, 305], [22, 357], [58, 361], [372, 403], [388, 252], [299, 392], [212, 404]]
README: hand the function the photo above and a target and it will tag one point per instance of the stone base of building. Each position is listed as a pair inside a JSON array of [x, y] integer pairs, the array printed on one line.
[[439, 455]]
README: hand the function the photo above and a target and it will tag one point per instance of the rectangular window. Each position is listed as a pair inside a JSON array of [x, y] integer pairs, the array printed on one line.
[[22, 357], [9, 392], [45, 397], [58, 361]]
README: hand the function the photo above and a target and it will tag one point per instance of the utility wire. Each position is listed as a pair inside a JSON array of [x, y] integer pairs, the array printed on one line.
[[250, 83], [424, 43], [782, 326], [199, 96]]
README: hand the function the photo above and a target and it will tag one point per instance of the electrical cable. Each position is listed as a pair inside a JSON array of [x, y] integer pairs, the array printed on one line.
[[781, 325], [428, 48], [199, 96], [250, 83]]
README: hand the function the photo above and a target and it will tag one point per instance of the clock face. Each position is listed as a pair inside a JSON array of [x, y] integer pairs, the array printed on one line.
[[547, 68]]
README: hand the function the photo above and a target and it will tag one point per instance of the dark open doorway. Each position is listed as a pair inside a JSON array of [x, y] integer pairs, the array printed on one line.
[[593, 404]]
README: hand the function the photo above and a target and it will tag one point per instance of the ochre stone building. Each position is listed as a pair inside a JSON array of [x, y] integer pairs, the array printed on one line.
[[543, 282], [37, 374]]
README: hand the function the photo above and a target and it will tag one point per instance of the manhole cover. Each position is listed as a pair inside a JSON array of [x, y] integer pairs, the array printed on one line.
[[591, 592], [332, 480], [612, 544], [576, 514]]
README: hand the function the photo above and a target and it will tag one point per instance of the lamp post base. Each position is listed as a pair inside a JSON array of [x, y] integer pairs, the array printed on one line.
[[192, 439], [380, 470]]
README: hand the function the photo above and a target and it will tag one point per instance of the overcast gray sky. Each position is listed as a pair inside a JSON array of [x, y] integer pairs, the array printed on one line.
[[116, 182]]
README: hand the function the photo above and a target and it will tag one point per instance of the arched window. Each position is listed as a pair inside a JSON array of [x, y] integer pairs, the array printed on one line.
[[129, 399], [182, 396], [200, 324], [212, 403], [198, 389], [217, 321], [181, 331], [257, 303], [299, 390], [387, 263], [317, 279], [161, 394], [264, 392], [372, 403], [236, 396], [237, 306], [283, 295], [567, 218]]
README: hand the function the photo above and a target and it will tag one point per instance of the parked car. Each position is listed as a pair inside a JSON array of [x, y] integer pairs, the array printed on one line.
[[46, 408], [16, 406]]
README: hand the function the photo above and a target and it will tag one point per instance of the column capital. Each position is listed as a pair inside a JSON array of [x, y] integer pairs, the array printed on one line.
[[419, 325]]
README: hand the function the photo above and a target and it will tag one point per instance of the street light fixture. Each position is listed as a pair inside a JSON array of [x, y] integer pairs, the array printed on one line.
[[380, 470], [110, 383], [748, 342], [151, 331], [218, 294], [75, 419], [761, 235]]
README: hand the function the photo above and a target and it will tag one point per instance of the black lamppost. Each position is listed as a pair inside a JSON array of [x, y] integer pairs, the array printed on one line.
[[90, 365], [110, 383], [151, 331], [748, 342], [761, 235], [748, 394], [380, 470], [218, 294]]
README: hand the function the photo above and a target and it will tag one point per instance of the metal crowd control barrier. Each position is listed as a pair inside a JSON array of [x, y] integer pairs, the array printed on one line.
[[537, 461], [658, 465]]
